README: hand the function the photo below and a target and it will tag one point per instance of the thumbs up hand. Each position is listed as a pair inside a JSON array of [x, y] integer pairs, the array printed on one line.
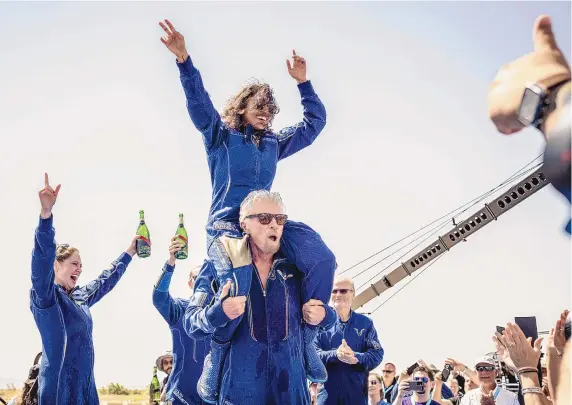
[[544, 66], [345, 353]]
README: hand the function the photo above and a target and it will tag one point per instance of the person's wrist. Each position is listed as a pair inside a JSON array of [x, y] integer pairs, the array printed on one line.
[[529, 380], [45, 213], [554, 351], [182, 57], [552, 117]]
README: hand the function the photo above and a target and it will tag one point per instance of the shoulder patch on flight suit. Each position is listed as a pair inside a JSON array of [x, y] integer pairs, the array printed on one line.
[[237, 249]]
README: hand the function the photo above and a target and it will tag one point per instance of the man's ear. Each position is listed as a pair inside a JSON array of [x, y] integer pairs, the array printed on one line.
[[243, 226]]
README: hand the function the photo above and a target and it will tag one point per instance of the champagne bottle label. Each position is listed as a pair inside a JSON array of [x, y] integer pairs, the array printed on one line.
[[181, 234], [143, 247], [143, 244]]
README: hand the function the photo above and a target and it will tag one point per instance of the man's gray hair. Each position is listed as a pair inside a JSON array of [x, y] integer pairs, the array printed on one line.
[[256, 195], [339, 279]]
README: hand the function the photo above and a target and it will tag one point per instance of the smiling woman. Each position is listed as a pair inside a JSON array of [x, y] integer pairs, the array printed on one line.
[[62, 311], [67, 266]]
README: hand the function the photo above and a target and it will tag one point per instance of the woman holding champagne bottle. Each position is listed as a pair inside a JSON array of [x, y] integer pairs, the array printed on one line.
[[61, 311], [243, 153]]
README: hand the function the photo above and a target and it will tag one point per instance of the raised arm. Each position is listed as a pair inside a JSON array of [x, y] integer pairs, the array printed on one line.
[[297, 137], [206, 310], [166, 305], [201, 109], [44, 253], [169, 308], [104, 283]]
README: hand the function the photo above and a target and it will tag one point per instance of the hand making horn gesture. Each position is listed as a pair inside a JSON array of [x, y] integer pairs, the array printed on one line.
[[297, 68], [174, 41], [48, 197]]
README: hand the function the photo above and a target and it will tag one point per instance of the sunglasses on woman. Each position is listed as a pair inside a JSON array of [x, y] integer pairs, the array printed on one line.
[[485, 368], [265, 218]]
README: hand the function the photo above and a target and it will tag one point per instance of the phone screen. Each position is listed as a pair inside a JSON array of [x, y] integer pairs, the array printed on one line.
[[528, 326]]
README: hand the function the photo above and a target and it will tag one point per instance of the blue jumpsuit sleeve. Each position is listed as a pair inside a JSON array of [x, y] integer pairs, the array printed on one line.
[[295, 138], [104, 283], [325, 353], [43, 294], [201, 109], [330, 318], [446, 392], [165, 304], [204, 313], [373, 355]]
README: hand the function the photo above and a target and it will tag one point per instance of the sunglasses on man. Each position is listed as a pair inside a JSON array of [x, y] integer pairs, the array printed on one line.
[[485, 368], [265, 218], [424, 379], [388, 371], [341, 291]]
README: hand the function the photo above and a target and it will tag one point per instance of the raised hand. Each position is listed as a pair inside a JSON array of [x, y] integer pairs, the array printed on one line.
[[519, 348], [545, 66], [297, 69], [48, 197], [556, 339], [503, 352], [176, 245], [174, 41], [132, 249]]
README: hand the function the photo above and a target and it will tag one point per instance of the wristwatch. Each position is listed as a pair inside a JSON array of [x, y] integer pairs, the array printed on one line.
[[537, 103]]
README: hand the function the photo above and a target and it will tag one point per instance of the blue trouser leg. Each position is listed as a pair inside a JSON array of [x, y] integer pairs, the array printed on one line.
[[210, 381], [306, 249]]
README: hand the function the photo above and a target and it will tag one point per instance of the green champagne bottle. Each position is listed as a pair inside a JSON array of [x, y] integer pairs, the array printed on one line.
[[155, 387], [144, 242], [181, 233]]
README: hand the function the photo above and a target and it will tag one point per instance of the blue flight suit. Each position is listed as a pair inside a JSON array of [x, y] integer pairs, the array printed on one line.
[[346, 383], [188, 353], [65, 324], [265, 363]]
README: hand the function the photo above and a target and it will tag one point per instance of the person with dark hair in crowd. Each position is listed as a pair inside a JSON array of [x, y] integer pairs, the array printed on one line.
[[61, 311], [422, 397], [350, 350], [243, 153], [375, 390], [164, 363], [445, 390], [188, 353]]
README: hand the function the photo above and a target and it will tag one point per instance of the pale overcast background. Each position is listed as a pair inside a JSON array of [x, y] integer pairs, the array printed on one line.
[[89, 94]]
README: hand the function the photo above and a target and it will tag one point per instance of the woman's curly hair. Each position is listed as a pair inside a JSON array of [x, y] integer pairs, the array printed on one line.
[[262, 94]]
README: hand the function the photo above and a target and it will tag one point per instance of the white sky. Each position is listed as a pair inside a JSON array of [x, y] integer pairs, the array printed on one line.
[[90, 95]]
